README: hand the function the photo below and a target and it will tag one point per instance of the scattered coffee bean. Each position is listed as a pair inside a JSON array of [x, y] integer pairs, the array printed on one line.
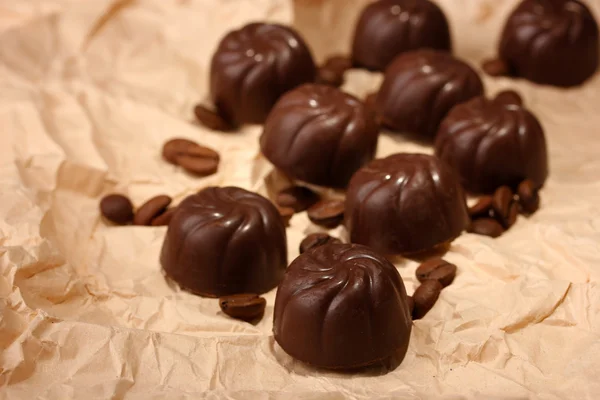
[[327, 213], [495, 67], [297, 197], [330, 76], [509, 97], [437, 269], [411, 304], [338, 63], [486, 227], [191, 156], [286, 214], [246, 307], [482, 208], [164, 218], [151, 209], [315, 240], [425, 297], [117, 208], [211, 119], [370, 101], [501, 202], [529, 198], [513, 213]]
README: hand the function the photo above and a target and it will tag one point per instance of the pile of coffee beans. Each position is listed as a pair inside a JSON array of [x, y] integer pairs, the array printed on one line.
[[493, 215], [194, 158], [119, 210], [434, 275]]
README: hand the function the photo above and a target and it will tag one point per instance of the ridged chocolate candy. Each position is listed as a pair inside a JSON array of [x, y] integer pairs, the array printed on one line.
[[490, 143], [319, 134], [253, 66], [225, 241], [342, 306], [387, 28], [421, 87], [405, 204]]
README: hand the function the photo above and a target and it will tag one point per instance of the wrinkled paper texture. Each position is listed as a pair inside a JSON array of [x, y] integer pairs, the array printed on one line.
[[89, 92]]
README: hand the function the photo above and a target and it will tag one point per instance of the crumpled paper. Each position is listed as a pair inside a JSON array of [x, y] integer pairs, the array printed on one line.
[[89, 93]]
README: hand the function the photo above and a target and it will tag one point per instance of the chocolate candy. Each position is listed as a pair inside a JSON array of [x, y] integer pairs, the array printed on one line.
[[489, 144], [319, 134], [253, 66], [225, 241], [387, 28], [405, 203], [421, 87], [342, 306], [553, 42]]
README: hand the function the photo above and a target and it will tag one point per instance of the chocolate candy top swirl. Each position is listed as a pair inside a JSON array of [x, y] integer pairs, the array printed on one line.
[[319, 134], [551, 42], [387, 28], [342, 306], [224, 241], [253, 66]]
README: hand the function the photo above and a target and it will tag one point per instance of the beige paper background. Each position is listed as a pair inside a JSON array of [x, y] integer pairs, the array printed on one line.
[[84, 310]]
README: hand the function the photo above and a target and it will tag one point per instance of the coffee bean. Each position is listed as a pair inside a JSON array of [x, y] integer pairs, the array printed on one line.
[[509, 97], [486, 227], [297, 197], [495, 67], [315, 240], [529, 198], [425, 297], [338, 63], [117, 208], [327, 213], [246, 307], [191, 156], [438, 269], [501, 202], [370, 101], [286, 214], [151, 209], [482, 208], [211, 119], [330, 76], [513, 213], [411, 304], [164, 218]]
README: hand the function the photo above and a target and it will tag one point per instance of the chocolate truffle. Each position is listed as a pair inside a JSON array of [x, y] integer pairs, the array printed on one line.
[[319, 134], [419, 89], [405, 204], [253, 66], [342, 306], [387, 28], [225, 241], [553, 42], [490, 143]]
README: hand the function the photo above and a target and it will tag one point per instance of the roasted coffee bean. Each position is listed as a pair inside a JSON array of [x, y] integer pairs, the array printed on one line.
[[191, 156], [486, 227], [297, 197], [327, 213], [164, 218], [438, 269], [151, 209], [495, 67], [501, 202], [370, 101], [411, 304], [330, 76], [315, 240], [425, 297], [482, 208], [246, 307], [286, 214], [513, 214], [211, 119], [338, 63], [509, 97], [117, 208], [529, 197]]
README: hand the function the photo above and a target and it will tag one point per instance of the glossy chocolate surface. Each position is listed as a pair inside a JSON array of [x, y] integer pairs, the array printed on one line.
[[319, 134], [225, 241], [489, 143], [421, 87], [253, 66], [342, 306], [552, 42], [405, 204], [387, 28]]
